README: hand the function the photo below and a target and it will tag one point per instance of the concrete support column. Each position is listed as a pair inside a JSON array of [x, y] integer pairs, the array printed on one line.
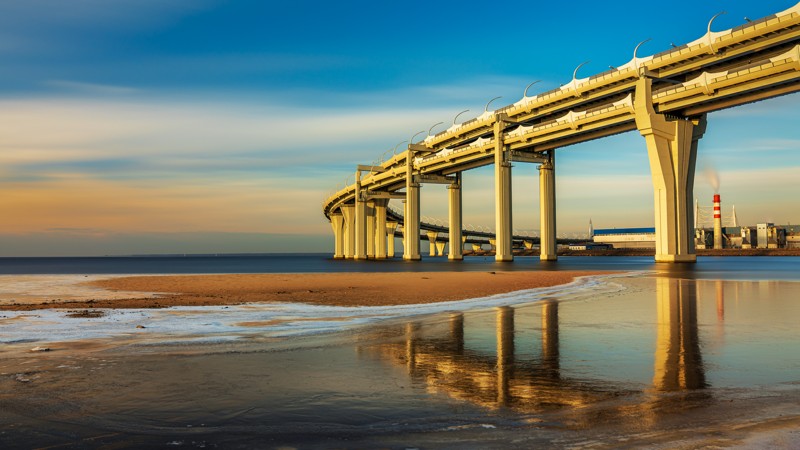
[[391, 227], [440, 246], [455, 216], [547, 209], [411, 220], [348, 212], [337, 223], [672, 149], [432, 235], [361, 221], [371, 229], [502, 196], [380, 228]]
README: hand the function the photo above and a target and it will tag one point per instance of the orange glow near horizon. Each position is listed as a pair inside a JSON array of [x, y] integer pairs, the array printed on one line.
[[101, 206]]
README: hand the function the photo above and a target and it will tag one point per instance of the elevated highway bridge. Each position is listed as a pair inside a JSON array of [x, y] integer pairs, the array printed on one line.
[[665, 97]]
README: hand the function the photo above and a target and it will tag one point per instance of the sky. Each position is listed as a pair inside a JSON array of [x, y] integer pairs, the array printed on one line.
[[203, 126]]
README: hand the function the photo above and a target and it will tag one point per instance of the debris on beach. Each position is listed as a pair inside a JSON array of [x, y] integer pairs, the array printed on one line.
[[40, 349], [25, 377], [86, 313]]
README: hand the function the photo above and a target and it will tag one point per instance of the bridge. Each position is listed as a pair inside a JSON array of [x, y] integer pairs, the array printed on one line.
[[665, 97]]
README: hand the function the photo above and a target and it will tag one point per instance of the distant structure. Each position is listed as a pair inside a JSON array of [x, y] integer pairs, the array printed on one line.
[[724, 231], [626, 237]]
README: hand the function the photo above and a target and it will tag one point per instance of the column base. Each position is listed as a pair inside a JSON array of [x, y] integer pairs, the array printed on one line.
[[455, 258], [338, 257], [412, 258], [503, 258], [548, 258], [676, 258]]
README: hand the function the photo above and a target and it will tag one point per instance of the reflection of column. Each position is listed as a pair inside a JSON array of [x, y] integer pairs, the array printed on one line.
[[411, 346], [678, 361], [457, 332], [720, 301], [505, 352], [550, 354]]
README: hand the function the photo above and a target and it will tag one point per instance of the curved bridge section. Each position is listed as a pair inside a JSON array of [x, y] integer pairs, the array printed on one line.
[[437, 235], [664, 96]]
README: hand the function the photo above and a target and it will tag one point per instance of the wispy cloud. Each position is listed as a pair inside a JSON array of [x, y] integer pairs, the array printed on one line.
[[188, 133], [90, 88]]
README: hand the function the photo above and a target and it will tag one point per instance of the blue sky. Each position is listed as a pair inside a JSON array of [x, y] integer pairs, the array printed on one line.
[[207, 126]]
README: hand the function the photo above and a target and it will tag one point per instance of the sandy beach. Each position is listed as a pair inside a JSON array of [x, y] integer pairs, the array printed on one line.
[[332, 289]]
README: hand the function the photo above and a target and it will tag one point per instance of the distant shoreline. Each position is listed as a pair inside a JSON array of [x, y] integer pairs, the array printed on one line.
[[652, 252]]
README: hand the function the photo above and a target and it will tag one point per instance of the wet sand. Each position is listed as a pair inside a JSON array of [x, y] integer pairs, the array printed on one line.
[[331, 289]]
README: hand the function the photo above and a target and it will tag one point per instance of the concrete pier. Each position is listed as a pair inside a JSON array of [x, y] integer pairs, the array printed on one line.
[[547, 208], [370, 229], [380, 236], [349, 215], [391, 227], [411, 220], [502, 196], [432, 235], [337, 224], [361, 221], [672, 150], [455, 220]]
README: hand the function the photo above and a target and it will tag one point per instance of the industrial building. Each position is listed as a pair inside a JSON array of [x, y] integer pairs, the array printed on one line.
[[626, 237], [763, 235], [709, 233]]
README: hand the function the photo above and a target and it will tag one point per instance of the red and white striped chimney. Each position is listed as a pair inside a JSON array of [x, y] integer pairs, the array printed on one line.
[[717, 223]]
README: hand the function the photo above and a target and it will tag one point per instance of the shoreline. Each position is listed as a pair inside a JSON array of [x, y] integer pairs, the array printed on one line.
[[331, 289]]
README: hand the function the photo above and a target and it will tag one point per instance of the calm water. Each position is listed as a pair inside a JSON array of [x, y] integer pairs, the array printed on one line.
[[774, 268], [696, 355]]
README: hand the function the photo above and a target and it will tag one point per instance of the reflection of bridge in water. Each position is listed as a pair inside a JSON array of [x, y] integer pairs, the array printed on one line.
[[665, 97], [537, 382]]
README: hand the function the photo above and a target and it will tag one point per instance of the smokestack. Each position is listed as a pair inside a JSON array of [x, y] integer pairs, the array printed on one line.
[[717, 224]]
